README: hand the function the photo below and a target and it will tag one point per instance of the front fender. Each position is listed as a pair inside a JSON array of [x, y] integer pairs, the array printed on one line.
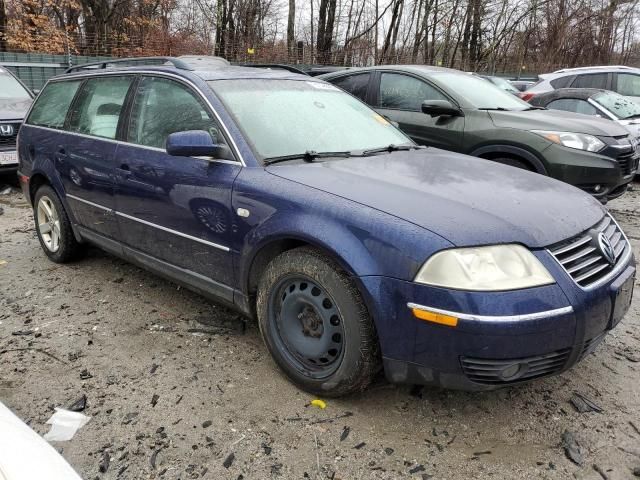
[[365, 241]]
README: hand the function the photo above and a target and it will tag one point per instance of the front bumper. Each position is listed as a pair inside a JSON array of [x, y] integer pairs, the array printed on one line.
[[603, 176], [496, 331]]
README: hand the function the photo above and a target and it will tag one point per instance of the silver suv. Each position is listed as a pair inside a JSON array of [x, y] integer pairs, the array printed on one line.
[[618, 78]]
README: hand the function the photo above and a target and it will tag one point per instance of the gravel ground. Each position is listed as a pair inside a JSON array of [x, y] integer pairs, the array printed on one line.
[[178, 387]]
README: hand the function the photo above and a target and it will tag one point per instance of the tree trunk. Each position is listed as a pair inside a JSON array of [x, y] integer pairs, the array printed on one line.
[[291, 29], [3, 26]]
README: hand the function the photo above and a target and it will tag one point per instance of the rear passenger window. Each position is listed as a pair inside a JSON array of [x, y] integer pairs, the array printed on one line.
[[592, 80], [50, 109], [561, 82], [356, 85], [162, 107], [97, 110]]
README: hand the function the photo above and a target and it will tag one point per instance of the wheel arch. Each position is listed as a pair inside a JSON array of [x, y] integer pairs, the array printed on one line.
[[490, 152]]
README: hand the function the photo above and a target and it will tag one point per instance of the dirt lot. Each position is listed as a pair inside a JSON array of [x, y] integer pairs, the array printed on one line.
[[178, 387]]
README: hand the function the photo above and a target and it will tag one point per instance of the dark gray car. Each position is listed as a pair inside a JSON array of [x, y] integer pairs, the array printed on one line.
[[457, 111], [15, 99]]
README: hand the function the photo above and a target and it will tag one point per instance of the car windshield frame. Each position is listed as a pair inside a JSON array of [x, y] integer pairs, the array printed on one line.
[[503, 83], [9, 83], [478, 92], [611, 107], [246, 102]]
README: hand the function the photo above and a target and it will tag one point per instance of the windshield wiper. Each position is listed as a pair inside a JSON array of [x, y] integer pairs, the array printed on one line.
[[500, 109], [533, 108], [389, 149], [308, 156], [635, 115]]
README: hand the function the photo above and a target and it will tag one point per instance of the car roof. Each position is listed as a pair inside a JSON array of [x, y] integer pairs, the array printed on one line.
[[417, 69], [597, 68], [581, 93]]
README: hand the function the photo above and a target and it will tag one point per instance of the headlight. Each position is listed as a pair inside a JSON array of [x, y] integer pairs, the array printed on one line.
[[491, 268], [580, 141]]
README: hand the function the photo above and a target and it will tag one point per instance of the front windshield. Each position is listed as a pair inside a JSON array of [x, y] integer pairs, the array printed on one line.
[[11, 88], [620, 106], [290, 117], [478, 92]]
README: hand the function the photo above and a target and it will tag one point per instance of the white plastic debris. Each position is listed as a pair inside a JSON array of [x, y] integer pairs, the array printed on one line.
[[64, 425]]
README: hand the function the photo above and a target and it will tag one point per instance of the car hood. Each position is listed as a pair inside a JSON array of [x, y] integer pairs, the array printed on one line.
[[466, 200], [557, 120], [14, 109]]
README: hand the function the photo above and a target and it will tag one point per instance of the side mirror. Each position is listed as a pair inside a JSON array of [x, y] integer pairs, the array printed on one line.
[[194, 143], [440, 108]]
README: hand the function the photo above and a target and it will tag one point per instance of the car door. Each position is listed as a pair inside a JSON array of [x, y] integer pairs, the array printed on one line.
[[575, 105], [356, 84], [400, 97], [85, 156], [175, 209], [628, 85]]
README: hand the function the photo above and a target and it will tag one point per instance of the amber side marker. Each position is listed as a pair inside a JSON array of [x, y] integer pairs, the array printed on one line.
[[435, 317]]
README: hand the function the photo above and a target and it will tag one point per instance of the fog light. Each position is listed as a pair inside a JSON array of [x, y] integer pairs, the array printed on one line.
[[513, 371]]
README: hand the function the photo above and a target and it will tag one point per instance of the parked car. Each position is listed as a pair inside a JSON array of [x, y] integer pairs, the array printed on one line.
[[522, 85], [456, 111], [15, 99], [502, 83], [620, 79], [594, 102], [293, 202], [25, 455]]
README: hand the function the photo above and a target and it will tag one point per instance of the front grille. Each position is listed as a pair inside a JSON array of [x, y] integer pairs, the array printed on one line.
[[492, 372], [9, 141], [628, 162], [582, 256]]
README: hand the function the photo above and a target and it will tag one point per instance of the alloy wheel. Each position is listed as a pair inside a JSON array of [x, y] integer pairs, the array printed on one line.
[[48, 224]]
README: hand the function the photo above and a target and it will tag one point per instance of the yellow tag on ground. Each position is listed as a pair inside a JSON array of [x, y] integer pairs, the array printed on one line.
[[319, 403]]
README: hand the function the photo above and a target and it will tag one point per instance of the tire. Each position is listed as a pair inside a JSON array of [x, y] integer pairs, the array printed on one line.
[[53, 227], [315, 324], [514, 162]]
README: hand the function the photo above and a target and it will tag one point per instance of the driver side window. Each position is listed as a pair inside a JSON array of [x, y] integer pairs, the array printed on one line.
[[402, 92], [162, 107]]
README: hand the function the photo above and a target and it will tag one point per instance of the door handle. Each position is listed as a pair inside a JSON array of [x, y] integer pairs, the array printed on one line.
[[60, 154]]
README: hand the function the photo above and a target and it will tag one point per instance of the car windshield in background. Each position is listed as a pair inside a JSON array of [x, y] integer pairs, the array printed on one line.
[[11, 88], [478, 92], [503, 84], [620, 106], [291, 117]]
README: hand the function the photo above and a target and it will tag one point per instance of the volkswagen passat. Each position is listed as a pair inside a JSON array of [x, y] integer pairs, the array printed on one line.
[[295, 203]]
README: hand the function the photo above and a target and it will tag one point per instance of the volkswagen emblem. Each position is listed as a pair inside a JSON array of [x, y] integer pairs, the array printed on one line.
[[606, 248], [6, 130]]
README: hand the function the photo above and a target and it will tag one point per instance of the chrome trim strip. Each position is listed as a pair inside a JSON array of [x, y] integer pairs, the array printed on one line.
[[175, 232], [135, 219], [82, 75], [495, 318], [68, 195]]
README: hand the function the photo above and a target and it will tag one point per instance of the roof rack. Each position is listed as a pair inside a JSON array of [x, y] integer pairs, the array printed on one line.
[[132, 61], [275, 66], [596, 67]]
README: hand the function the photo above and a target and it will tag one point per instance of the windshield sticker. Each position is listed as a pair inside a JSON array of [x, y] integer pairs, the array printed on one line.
[[322, 86]]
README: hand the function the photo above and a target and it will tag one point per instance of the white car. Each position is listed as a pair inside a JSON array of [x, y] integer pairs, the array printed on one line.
[[617, 78], [25, 455]]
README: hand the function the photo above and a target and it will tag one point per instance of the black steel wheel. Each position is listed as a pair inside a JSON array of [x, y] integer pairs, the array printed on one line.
[[315, 324]]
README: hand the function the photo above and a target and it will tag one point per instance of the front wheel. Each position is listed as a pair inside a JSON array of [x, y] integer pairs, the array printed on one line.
[[315, 324]]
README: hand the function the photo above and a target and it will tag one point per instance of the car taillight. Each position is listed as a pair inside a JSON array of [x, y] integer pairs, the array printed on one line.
[[526, 96]]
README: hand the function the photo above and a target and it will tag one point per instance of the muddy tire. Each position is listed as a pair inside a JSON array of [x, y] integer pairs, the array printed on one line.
[[53, 227], [315, 324]]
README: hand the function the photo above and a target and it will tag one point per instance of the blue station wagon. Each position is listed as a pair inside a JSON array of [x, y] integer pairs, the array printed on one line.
[[295, 203]]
